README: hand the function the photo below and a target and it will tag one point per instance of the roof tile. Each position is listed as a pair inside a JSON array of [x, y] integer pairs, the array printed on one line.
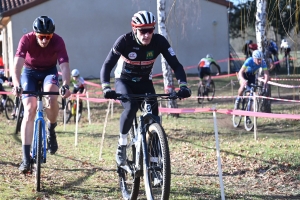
[[7, 5]]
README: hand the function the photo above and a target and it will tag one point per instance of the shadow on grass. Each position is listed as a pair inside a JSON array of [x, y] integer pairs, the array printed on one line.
[[259, 170]]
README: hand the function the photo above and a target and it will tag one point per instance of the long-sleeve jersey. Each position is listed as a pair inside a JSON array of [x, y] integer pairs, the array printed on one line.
[[135, 62]]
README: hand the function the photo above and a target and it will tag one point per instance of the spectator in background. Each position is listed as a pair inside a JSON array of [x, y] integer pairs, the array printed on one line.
[[3, 79], [249, 47], [286, 47]]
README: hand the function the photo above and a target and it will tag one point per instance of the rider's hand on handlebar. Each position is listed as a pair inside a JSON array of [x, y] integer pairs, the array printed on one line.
[[17, 91], [184, 92], [108, 93], [64, 91]]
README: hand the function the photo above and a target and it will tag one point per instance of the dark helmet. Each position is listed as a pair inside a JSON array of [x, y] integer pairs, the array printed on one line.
[[44, 24], [249, 41]]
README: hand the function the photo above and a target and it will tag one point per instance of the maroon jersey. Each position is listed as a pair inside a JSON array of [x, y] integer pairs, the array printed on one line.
[[39, 58]]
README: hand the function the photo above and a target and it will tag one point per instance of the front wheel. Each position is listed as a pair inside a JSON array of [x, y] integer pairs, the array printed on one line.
[[38, 156], [9, 108], [159, 172], [249, 120], [236, 119]]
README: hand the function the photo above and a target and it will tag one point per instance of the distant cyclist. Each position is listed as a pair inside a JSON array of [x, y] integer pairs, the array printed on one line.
[[204, 68], [273, 54], [249, 47], [79, 86], [247, 73], [286, 47], [3, 79]]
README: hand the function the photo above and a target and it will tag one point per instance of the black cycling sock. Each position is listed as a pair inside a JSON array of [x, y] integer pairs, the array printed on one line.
[[26, 153]]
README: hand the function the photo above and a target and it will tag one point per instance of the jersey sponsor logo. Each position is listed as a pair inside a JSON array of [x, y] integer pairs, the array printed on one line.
[[137, 62], [136, 48], [149, 54], [171, 51], [61, 59], [132, 55]]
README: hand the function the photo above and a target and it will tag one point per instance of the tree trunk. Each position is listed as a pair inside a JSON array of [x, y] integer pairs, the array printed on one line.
[[166, 69], [260, 27]]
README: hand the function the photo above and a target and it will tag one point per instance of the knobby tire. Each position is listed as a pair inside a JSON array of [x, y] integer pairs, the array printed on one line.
[[200, 94], [236, 119], [38, 156], [159, 172], [9, 107], [211, 91]]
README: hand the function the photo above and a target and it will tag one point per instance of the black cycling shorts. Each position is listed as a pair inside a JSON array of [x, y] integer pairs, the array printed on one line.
[[204, 71]]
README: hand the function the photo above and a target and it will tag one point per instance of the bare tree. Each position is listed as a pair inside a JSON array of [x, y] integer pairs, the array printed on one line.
[[261, 38], [166, 69]]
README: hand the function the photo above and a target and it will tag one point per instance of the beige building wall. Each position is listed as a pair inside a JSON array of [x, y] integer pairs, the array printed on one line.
[[91, 27]]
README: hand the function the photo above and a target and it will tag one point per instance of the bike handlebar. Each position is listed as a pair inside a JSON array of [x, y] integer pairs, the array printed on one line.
[[40, 93], [145, 96]]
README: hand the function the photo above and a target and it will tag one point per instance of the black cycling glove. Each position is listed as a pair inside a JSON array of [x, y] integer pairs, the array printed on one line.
[[109, 93]]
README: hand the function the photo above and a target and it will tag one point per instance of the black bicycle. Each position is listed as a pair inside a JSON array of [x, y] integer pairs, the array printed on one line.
[[147, 152], [7, 107], [205, 90], [247, 104]]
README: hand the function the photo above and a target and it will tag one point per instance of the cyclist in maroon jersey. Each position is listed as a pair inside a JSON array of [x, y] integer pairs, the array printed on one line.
[[38, 52], [137, 51]]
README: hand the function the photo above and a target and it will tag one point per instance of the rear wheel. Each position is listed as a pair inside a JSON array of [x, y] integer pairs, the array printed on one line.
[[9, 108], [129, 183], [159, 172], [210, 91], [200, 94], [19, 113]]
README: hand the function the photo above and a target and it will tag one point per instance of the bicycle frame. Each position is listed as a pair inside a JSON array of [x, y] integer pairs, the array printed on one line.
[[140, 130], [39, 117], [149, 156]]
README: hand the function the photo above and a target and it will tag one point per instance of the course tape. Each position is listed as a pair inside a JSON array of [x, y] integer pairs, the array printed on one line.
[[280, 85], [228, 112]]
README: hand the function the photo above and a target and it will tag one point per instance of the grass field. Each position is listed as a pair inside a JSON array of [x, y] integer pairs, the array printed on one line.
[[266, 168]]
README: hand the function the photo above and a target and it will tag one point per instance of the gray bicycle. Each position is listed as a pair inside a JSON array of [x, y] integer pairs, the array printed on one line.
[[147, 152]]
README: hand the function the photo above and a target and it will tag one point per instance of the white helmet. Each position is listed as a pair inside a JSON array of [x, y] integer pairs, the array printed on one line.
[[143, 18], [257, 54], [209, 56], [75, 72]]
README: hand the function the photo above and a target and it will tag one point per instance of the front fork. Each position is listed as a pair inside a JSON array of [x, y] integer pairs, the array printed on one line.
[[35, 141]]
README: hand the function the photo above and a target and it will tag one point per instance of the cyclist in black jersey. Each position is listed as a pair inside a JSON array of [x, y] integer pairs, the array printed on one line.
[[137, 51]]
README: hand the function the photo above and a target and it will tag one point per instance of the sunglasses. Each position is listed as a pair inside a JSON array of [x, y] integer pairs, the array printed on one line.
[[146, 30], [47, 37]]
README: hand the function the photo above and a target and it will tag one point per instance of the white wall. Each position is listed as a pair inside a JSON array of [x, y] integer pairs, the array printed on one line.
[[90, 28]]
